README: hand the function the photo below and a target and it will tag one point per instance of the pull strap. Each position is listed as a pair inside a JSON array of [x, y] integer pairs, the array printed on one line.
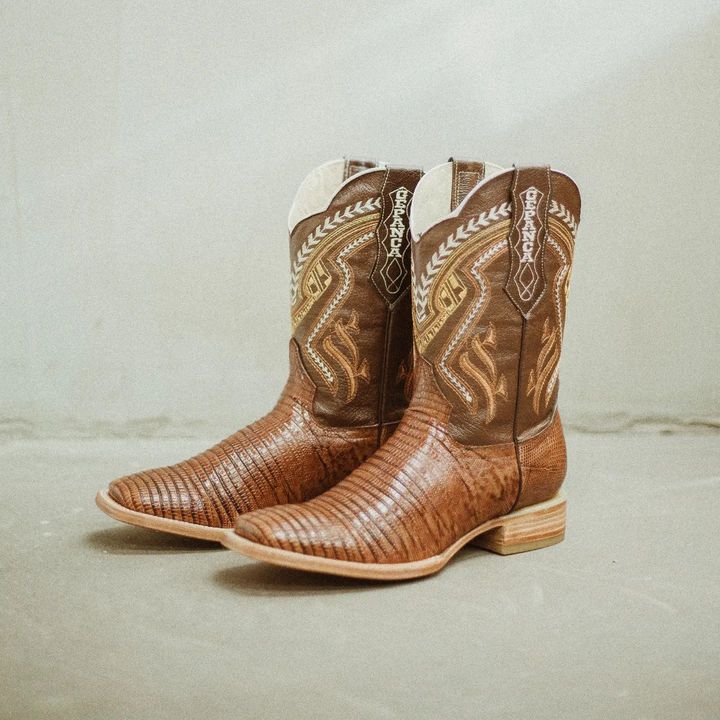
[[354, 166], [466, 174]]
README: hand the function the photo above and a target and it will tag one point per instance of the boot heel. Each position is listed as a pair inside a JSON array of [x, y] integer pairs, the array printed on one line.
[[531, 528]]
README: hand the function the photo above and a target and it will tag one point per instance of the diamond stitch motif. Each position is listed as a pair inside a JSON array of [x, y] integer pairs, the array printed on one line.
[[526, 245], [526, 280], [393, 272], [396, 266]]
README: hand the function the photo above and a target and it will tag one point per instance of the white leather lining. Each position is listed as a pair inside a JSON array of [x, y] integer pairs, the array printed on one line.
[[318, 188], [431, 201]]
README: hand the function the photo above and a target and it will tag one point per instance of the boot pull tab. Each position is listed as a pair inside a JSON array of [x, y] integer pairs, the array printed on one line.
[[465, 176], [530, 196], [353, 167]]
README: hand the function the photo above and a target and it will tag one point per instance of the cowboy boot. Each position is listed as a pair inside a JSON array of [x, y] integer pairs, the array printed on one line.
[[350, 364], [479, 456]]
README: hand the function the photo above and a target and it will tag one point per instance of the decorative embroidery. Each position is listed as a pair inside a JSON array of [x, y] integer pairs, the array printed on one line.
[[405, 375], [421, 288], [314, 284], [347, 356], [330, 223], [336, 301], [446, 300], [545, 367], [526, 245], [421, 285], [393, 241], [490, 383], [559, 210], [469, 368], [462, 388]]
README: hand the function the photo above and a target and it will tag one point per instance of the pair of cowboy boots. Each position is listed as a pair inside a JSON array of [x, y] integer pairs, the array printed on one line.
[[420, 410]]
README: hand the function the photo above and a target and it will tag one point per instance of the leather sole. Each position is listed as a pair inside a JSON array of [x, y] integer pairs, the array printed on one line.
[[530, 528], [153, 522]]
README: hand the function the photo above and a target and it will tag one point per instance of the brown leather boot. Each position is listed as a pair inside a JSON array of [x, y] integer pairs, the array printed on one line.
[[479, 455], [350, 363]]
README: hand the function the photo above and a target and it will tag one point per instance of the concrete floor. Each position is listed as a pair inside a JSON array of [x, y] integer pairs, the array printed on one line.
[[622, 620]]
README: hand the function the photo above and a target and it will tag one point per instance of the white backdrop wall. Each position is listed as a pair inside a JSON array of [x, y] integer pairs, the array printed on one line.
[[149, 152]]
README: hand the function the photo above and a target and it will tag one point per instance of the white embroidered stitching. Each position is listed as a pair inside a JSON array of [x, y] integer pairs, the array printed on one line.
[[421, 289], [319, 362], [559, 210], [330, 223], [454, 380]]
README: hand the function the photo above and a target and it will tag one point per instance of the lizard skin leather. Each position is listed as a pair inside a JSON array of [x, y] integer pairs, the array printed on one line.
[[482, 436], [350, 362]]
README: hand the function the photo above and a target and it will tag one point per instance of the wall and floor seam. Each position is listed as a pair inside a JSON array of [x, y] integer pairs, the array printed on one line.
[[172, 429]]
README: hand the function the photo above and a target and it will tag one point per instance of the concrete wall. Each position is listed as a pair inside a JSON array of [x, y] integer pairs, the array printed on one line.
[[149, 152]]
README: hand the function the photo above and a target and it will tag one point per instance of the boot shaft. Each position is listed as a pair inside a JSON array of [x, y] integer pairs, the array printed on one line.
[[490, 283], [350, 300]]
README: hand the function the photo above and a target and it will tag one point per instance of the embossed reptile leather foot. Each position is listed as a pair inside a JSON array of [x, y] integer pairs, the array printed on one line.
[[479, 456], [350, 364]]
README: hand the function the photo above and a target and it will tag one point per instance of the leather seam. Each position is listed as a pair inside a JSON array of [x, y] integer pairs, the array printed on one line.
[[380, 416], [515, 418], [376, 263], [543, 428]]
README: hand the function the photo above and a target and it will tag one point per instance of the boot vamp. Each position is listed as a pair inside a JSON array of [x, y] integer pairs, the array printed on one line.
[[414, 498], [285, 457]]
